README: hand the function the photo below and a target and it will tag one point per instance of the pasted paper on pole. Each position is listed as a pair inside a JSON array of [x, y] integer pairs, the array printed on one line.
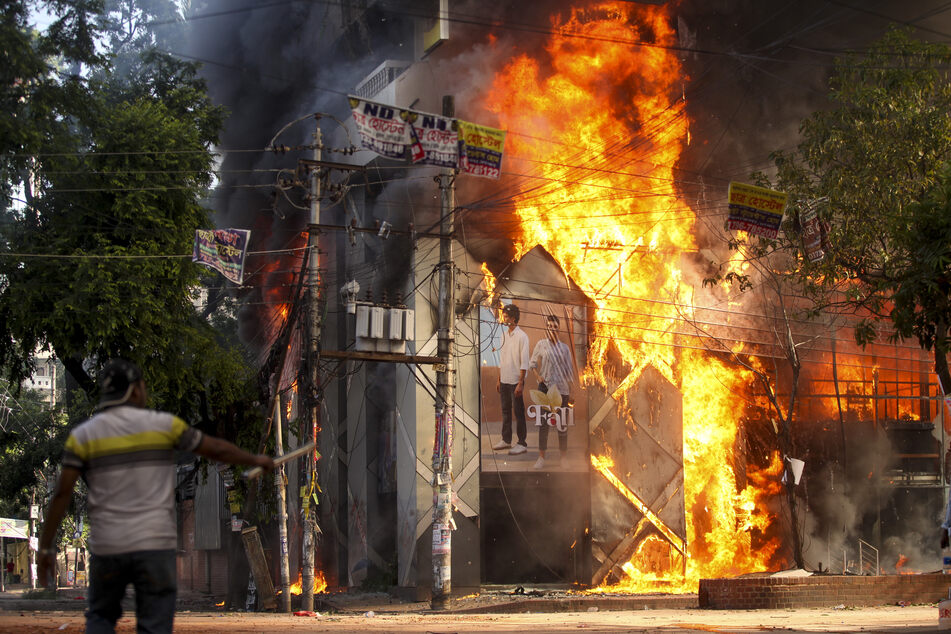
[[434, 139], [756, 210], [223, 250], [480, 149], [382, 128]]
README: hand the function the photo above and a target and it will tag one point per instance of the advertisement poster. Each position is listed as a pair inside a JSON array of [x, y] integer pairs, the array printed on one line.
[[435, 139], [756, 210], [480, 149], [553, 406], [382, 128], [223, 250], [813, 235]]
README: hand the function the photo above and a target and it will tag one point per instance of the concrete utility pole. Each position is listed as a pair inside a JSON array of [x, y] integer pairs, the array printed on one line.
[[313, 349], [281, 487], [445, 381]]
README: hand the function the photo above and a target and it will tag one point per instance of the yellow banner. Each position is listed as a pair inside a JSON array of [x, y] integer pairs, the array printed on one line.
[[756, 210], [480, 149]]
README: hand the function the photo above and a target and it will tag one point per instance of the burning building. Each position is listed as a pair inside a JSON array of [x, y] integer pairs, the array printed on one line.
[[607, 215]]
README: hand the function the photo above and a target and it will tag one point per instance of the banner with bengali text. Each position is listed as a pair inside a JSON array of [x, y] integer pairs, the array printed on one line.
[[813, 234], [756, 210], [223, 250], [434, 139], [480, 149], [382, 128]]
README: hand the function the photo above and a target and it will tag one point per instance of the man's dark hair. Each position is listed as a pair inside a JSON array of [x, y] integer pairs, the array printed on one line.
[[552, 318], [511, 309]]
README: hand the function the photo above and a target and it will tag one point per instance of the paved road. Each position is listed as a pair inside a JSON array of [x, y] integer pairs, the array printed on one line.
[[891, 619]]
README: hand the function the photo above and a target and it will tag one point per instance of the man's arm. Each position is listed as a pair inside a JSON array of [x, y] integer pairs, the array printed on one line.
[[46, 561], [221, 450], [523, 364], [536, 357]]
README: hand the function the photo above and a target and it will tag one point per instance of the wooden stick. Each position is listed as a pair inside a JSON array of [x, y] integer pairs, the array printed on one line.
[[250, 474]]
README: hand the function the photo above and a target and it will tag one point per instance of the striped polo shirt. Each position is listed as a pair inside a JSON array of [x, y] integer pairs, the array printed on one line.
[[127, 458]]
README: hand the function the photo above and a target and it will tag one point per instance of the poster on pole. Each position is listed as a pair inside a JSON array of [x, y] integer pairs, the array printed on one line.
[[383, 129], [435, 139], [224, 250], [756, 210], [480, 149]]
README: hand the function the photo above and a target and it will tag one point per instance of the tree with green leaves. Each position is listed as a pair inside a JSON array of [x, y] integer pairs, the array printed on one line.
[[873, 166], [106, 170]]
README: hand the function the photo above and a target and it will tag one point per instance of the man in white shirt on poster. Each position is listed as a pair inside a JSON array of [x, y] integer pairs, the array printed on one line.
[[514, 359]]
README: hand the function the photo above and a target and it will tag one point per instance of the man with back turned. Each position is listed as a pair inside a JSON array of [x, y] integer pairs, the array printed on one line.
[[125, 453]]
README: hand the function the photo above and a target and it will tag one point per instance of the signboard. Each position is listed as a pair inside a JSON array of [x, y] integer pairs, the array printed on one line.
[[430, 139], [756, 210], [813, 234], [480, 149], [435, 139], [223, 250], [17, 529], [382, 128]]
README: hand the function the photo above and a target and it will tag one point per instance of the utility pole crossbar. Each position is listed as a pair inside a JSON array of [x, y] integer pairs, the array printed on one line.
[[332, 165], [381, 356]]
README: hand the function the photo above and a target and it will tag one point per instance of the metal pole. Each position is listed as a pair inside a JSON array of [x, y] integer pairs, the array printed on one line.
[[313, 349], [445, 380], [281, 488]]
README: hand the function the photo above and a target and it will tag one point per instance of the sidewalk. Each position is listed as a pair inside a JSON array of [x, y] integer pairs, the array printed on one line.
[[494, 609], [491, 600]]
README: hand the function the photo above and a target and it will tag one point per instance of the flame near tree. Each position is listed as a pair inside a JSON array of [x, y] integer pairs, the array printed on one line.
[[601, 123]]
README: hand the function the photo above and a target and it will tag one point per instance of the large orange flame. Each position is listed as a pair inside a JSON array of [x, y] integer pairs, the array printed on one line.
[[599, 125]]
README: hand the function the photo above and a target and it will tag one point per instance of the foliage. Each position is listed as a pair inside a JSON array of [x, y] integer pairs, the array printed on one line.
[[106, 161], [921, 302], [865, 163], [31, 439]]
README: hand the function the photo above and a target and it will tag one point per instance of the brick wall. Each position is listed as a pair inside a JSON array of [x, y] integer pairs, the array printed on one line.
[[820, 591]]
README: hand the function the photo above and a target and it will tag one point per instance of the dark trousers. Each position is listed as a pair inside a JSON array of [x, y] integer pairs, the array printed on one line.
[[151, 572], [511, 400], [543, 430]]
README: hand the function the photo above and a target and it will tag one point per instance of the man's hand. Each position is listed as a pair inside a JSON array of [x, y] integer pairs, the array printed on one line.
[[519, 388], [46, 569], [944, 538], [498, 385], [265, 462]]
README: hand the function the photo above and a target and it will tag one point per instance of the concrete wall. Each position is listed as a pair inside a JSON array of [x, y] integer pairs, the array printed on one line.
[[415, 428]]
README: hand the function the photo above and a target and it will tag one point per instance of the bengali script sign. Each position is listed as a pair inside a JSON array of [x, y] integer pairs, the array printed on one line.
[[435, 139], [382, 128], [756, 210], [813, 234], [480, 149], [223, 250]]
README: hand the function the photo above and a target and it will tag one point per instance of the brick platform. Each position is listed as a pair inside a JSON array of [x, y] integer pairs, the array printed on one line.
[[820, 591]]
